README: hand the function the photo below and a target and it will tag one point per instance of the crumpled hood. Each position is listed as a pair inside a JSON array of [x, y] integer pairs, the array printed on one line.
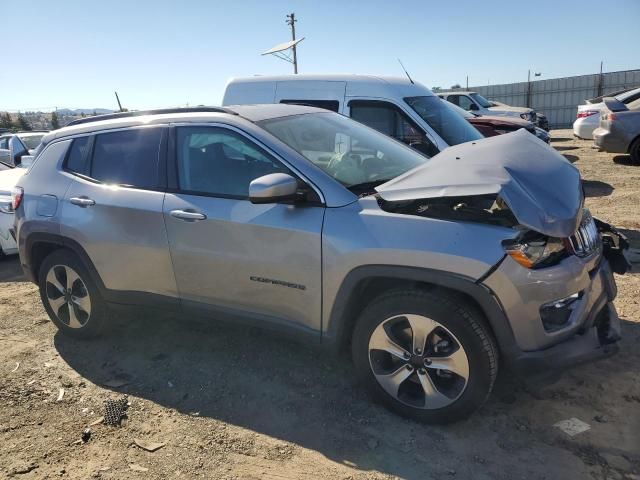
[[540, 187]]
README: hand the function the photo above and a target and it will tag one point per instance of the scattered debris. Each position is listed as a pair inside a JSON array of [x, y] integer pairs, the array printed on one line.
[[601, 418], [148, 446], [60, 395], [17, 366], [86, 435], [22, 469], [31, 382], [97, 422], [48, 364], [137, 468], [572, 426], [115, 410]]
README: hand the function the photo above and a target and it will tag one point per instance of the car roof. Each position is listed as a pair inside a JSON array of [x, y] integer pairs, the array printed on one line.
[[251, 113], [325, 77]]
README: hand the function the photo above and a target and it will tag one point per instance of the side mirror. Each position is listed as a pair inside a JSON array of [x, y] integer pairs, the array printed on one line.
[[26, 161], [473, 106], [273, 188], [5, 156]]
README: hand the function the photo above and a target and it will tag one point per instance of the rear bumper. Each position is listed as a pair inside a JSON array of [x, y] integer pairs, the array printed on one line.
[[609, 142], [584, 127]]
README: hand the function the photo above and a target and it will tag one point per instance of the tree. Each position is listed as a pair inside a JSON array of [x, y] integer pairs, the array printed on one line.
[[5, 120], [22, 123], [457, 85], [55, 121]]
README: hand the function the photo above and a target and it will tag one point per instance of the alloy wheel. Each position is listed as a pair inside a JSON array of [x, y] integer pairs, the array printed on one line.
[[418, 361], [68, 296]]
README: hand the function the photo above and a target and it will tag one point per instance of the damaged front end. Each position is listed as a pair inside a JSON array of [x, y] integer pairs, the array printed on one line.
[[614, 247]]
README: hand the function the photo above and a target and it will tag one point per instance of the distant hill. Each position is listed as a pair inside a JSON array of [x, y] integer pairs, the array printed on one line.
[[86, 111]]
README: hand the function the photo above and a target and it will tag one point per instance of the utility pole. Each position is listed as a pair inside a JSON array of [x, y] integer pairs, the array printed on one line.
[[467, 83], [291, 20], [600, 82]]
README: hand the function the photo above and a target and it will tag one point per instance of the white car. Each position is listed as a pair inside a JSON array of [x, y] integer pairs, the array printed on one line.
[[16, 151], [588, 115], [476, 103], [8, 180]]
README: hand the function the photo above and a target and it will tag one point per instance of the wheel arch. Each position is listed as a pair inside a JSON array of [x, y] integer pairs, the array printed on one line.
[[365, 283]]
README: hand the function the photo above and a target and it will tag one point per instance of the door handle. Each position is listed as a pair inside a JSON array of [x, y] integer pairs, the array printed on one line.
[[82, 201], [190, 216]]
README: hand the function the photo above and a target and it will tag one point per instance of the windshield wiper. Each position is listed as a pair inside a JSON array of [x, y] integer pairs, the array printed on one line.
[[366, 188]]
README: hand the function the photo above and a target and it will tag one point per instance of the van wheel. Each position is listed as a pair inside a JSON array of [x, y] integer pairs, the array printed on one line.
[[70, 296], [425, 355]]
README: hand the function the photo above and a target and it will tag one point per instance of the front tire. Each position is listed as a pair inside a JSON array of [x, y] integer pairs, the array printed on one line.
[[70, 296], [425, 355]]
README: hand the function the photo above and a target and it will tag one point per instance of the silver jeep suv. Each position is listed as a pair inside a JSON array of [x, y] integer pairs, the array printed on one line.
[[432, 271]]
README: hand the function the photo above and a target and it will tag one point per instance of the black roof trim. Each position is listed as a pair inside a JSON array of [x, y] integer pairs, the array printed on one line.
[[160, 111]]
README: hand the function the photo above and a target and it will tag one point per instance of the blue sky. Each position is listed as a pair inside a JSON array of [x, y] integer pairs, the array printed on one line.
[[157, 53]]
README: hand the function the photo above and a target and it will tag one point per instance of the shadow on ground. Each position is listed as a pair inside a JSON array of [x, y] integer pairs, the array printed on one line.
[[10, 270], [596, 188], [625, 160], [255, 380], [571, 158], [565, 148], [560, 139]]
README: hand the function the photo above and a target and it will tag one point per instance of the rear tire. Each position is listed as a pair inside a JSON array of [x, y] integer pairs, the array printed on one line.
[[406, 377], [634, 151], [70, 296]]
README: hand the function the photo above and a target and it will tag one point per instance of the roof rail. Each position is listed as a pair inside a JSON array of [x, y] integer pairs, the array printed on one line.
[[138, 113]]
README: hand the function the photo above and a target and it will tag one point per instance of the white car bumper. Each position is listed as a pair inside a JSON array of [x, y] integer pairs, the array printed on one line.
[[584, 127]]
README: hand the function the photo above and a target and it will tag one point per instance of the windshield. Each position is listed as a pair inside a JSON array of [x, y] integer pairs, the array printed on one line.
[[31, 141], [352, 153], [448, 124], [484, 103]]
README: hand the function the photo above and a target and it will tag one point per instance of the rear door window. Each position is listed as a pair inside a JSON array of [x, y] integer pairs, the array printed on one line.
[[78, 155], [128, 157]]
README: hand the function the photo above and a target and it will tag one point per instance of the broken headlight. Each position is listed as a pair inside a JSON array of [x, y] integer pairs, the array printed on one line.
[[535, 251]]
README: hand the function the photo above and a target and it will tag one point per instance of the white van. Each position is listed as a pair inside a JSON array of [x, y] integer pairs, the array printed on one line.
[[404, 110]]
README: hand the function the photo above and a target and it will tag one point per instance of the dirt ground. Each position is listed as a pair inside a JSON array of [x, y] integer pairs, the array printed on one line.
[[237, 403]]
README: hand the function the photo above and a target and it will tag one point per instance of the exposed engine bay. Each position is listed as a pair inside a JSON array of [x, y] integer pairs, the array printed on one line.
[[489, 209]]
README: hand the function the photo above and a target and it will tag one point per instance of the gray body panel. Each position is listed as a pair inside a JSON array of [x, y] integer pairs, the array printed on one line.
[[238, 254], [363, 234], [123, 234]]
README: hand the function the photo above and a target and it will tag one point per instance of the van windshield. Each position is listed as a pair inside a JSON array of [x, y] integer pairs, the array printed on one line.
[[355, 155], [448, 124]]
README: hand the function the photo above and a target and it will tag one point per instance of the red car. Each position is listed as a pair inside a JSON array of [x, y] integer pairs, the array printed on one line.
[[492, 125]]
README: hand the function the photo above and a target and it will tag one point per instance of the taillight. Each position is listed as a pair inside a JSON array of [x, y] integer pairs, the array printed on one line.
[[16, 197], [586, 113], [609, 116]]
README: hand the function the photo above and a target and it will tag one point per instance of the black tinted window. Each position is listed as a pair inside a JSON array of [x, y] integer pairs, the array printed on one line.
[[220, 162], [391, 121], [129, 157], [332, 105], [77, 156]]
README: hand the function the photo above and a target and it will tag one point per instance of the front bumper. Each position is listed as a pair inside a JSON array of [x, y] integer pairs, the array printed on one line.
[[592, 327]]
